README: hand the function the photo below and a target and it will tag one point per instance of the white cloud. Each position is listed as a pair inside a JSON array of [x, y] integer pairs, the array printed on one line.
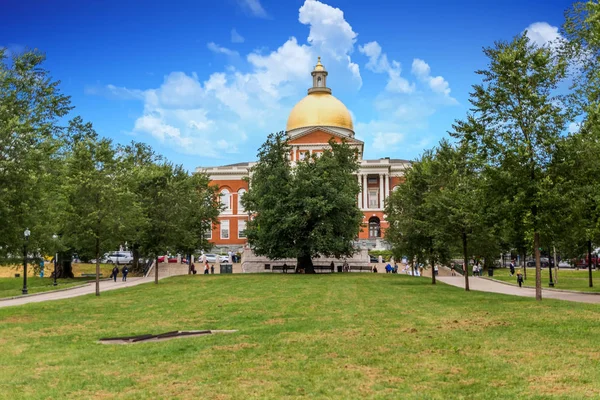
[[574, 127], [543, 34], [330, 34], [215, 48], [236, 37], [253, 7], [378, 62], [387, 141], [437, 83]]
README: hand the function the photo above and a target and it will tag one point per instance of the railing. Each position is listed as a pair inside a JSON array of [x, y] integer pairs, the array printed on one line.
[[147, 267]]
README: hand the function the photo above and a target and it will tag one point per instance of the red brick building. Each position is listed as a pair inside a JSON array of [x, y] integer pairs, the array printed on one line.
[[312, 122]]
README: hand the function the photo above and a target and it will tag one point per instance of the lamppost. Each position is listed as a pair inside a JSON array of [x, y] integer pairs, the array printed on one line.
[[26, 235], [55, 237]]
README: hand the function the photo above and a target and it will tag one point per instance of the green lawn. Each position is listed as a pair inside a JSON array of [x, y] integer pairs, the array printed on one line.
[[10, 287], [568, 279], [342, 336]]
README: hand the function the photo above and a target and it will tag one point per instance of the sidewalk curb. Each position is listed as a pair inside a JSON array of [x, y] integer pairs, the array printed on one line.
[[533, 287], [49, 291]]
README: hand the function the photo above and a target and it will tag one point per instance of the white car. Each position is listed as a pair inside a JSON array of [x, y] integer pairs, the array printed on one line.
[[119, 257], [212, 258]]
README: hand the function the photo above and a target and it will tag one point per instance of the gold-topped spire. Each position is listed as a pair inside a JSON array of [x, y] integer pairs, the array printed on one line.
[[319, 66], [319, 75]]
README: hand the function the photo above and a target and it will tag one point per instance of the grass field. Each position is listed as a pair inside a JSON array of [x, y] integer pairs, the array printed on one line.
[[568, 279], [10, 287], [345, 336]]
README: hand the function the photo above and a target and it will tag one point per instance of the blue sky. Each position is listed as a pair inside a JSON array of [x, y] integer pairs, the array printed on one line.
[[204, 82]]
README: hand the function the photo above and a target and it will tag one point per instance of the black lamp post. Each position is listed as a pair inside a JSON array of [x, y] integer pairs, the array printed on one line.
[[55, 237], [26, 235]]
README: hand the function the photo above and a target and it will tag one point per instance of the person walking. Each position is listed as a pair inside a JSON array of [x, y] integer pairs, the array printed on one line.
[[512, 267], [519, 278], [452, 270], [212, 269], [206, 268], [115, 272], [435, 270], [125, 271]]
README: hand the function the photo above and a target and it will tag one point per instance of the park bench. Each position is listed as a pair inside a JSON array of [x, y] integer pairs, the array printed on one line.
[[360, 268], [89, 275], [323, 268], [290, 268]]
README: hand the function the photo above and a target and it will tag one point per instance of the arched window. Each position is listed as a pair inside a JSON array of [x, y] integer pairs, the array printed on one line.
[[395, 188], [374, 227], [226, 201], [241, 193], [319, 82]]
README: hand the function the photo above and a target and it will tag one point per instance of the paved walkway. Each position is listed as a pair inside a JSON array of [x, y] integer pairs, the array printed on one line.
[[105, 285], [486, 285]]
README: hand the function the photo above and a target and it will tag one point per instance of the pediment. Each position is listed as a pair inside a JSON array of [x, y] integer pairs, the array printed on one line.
[[321, 135]]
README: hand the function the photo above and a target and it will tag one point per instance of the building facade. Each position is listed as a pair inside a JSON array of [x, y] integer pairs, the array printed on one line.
[[312, 123]]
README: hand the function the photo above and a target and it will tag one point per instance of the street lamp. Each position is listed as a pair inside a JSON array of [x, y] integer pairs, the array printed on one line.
[[55, 237], [26, 235]]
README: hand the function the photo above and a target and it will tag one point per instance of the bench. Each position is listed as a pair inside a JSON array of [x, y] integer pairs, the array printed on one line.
[[89, 275], [283, 269], [360, 268], [324, 268]]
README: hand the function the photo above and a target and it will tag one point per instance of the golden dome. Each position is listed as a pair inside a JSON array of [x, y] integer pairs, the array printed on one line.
[[319, 109]]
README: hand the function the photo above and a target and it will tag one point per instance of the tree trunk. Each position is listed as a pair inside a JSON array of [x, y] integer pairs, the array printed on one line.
[[156, 270], [136, 257], [555, 265], [305, 263], [538, 266], [524, 266], [97, 267], [432, 271], [412, 266], [589, 243], [466, 258]]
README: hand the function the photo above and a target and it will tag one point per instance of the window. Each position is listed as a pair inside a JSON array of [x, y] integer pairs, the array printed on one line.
[[303, 155], [225, 229], [373, 200], [226, 201], [374, 227], [241, 229], [208, 233], [240, 206], [395, 188], [372, 180], [319, 84]]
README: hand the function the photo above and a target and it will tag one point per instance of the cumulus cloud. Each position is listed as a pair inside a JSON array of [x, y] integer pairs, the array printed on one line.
[[215, 48], [254, 8], [378, 62], [543, 34], [236, 37], [438, 84], [330, 33], [387, 141]]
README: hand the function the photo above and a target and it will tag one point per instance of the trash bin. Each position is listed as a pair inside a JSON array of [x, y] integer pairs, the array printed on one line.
[[226, 269], [490, 271]]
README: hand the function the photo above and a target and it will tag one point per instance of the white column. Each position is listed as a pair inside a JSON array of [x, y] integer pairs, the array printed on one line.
[[381, 190], [360, 194], [387, 186], [365, 191]]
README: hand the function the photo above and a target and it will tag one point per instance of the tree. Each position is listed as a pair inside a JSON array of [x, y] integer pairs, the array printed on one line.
[[413, 228], [99, 205], [198, 208], [523, 119], [578, 165], [31, 106], [307, 211]]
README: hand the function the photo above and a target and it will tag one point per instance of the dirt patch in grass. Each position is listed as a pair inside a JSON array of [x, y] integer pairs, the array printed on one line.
[[14, 319], [275, 321]]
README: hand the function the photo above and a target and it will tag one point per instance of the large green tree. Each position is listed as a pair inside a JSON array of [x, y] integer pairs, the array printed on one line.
[[31, 106], [523, 116], [99, 205], [303, 211]]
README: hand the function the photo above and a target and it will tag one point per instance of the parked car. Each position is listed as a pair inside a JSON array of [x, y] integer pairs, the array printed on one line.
[[120, 257], [373, 259], [212, 258], [544, 262], [103, 259]]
